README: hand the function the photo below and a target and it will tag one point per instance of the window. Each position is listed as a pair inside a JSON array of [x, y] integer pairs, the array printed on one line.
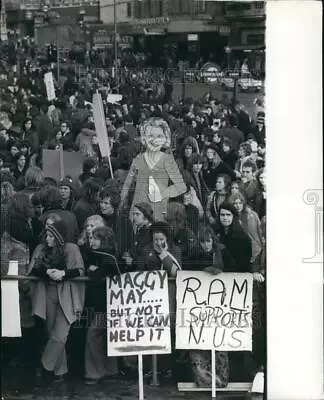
[[129, 10], [160, 8], [201, 6], [259, 5]]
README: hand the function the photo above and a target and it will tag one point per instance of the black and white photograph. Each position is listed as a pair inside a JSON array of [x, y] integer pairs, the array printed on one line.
[[134, 165]]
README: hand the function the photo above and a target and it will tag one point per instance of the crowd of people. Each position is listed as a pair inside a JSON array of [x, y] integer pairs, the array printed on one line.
[[104, 222]]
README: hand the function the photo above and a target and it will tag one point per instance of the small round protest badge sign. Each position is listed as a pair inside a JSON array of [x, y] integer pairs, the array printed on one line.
[[138, 317]]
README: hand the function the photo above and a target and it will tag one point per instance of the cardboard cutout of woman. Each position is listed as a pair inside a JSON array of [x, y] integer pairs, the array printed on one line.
[[153, 169]]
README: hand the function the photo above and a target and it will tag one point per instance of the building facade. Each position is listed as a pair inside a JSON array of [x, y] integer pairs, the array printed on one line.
[[183, 29]]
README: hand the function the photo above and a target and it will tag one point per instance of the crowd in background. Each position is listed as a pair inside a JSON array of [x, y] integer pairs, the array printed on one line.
[[60, 230]]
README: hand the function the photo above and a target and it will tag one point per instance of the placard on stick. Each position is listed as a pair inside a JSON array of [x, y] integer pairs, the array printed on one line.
[[138, 314], [49, 84], [214, 312]]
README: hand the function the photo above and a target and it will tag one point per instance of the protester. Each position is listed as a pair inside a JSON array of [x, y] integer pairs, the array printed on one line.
[[55, 299]]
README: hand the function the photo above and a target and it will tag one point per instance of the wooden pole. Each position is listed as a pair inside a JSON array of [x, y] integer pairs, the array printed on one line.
[[140, 377], [155, 381], [213, 359]]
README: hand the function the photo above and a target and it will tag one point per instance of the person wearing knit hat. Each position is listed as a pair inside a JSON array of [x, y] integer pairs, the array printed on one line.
[[55, 300], [59, 231]]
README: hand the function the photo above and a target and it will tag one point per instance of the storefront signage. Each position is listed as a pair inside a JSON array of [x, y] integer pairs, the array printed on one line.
[[192, 37], [153, 21]]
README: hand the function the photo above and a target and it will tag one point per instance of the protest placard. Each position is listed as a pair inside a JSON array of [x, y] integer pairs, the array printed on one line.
[[58, 163], [214, 312], [100, 124], [138, 320], [49, 83], [114, 98], [10, 308]]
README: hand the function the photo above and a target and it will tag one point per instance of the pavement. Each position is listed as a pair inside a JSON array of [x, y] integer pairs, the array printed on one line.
[[18, 383], [117, 390]]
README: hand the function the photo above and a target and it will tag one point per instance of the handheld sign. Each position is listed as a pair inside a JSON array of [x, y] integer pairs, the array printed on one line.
[[49, 83], [101, 128], [114, 98], [214, 312], [10, 308], [59, 163], [138, 314]]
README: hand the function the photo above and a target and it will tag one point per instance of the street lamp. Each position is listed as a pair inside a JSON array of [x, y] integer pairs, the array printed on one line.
[[228, 51]]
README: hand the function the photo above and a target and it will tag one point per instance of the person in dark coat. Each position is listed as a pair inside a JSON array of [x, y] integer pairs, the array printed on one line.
[[109, 199], [20, 223], [250, 184], [142, 221], [100, 263], [128, 150], [87, 205], [65, 137], [51, 201], [89, 169], [237, 249], [193, 176], [214, 166], [161, 253], [44, 126], [233, 133]]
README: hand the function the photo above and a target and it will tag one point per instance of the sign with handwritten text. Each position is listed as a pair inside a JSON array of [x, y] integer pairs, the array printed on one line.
[[138, 318], [214, 312]]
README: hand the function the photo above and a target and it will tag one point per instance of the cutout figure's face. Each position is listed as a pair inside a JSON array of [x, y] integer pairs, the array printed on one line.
[[155, 138]]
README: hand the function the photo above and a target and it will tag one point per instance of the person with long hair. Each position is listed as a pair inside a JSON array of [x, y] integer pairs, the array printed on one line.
[[87, 205], [56, 299], [109, 199], [100, 262], [237, 251], [19, 166], [34, 180], [250, 222], [214, 166], [217, 197], [193, 176]]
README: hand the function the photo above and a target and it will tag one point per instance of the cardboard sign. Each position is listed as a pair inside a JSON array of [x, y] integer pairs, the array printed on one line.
[[114, 98], [10, 308], [138, 314], [100, 124], [214, 312], [57, 164], [49, 83]]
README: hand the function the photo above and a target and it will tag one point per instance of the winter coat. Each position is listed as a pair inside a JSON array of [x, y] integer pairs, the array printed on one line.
[[150, 261], [107, 267], [71, 294], [202, 192], [210, 173], [238, 250]]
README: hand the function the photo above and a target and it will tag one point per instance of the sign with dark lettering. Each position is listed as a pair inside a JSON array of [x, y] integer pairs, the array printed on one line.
[[138, 318], [214, 312]]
